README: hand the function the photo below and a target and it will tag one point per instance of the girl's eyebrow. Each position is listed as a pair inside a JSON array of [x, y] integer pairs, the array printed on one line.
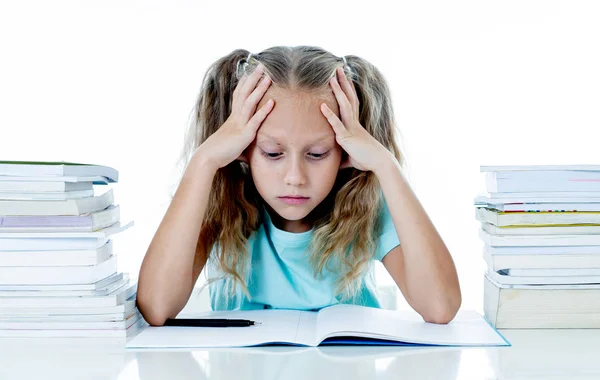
[[318, 139]]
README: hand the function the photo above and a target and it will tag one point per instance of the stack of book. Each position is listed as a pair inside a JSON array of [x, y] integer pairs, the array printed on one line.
[[58, 267], [540, 226]]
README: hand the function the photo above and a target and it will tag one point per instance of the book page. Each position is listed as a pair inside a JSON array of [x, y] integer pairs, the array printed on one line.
[[493, 168], [307, 329], [277, 326], [103, 233], [352, 320], [467, 329], [97, 180]]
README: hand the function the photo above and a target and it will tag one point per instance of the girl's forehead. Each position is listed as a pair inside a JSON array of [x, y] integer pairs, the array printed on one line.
[[298, 137], [297, 107], [299, 98], [289, 120], [295, 132]]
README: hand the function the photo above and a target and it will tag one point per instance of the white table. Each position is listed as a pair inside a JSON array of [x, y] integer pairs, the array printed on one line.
[[535, 354]]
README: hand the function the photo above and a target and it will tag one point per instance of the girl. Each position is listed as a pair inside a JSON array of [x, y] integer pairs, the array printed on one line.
[[289, 193]]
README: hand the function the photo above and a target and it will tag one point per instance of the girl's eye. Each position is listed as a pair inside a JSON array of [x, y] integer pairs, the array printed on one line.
[[269, 155], [275, 156]]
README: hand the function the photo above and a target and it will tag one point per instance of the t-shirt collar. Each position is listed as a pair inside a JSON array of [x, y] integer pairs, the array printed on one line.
[[284, 237]]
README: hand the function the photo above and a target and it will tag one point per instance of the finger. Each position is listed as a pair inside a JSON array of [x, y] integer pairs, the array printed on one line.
[[251, 82], [250, 104], [347, 86], [238, 89], [350, 84], [260, 115], [346, 109], [240, 83], [334, 121]]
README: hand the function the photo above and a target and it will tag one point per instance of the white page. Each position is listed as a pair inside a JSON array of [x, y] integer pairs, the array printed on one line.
[[540, 194], [481, 199], [492, 168], [56, 275], [307, 329], [97, 180], [542, 272], [542, 280], [467, 329], [56, 311], [541, 287], [277, 326], [104, 233]]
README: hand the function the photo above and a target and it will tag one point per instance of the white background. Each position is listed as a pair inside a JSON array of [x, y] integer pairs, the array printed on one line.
[[473, 83]]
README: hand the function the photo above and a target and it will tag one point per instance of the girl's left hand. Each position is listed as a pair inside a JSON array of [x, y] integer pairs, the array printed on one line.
[[364, 151]]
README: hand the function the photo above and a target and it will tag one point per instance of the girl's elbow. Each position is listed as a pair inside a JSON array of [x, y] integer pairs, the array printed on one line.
[[150, 313], [445, 312], [441, 317]]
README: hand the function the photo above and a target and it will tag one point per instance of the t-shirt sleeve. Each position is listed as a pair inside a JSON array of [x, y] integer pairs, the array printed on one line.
[[388, 239]]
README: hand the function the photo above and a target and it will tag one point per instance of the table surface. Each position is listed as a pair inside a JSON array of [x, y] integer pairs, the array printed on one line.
[[534, 354]]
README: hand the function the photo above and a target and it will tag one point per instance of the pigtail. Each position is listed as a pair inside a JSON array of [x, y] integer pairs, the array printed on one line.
[[231, 214], [350, 233]]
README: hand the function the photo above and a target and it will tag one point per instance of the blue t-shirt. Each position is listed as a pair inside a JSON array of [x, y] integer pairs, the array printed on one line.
[[281, 277]]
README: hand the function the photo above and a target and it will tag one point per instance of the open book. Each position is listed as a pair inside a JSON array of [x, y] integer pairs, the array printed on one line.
[[337, 324]]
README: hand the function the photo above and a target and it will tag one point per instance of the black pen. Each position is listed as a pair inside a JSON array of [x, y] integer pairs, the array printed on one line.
[[209, 322]]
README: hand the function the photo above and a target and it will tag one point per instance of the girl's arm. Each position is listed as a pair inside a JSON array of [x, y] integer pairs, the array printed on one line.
[[421, 266], [167, 276]]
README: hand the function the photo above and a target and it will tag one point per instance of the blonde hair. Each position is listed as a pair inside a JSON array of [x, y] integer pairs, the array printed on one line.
[[346, 223]]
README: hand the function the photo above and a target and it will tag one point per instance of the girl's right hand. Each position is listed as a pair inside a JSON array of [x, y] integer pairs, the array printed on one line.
[[239, 130]]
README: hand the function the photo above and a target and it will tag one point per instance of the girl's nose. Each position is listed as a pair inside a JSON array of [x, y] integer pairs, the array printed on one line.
[[295, 174]]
